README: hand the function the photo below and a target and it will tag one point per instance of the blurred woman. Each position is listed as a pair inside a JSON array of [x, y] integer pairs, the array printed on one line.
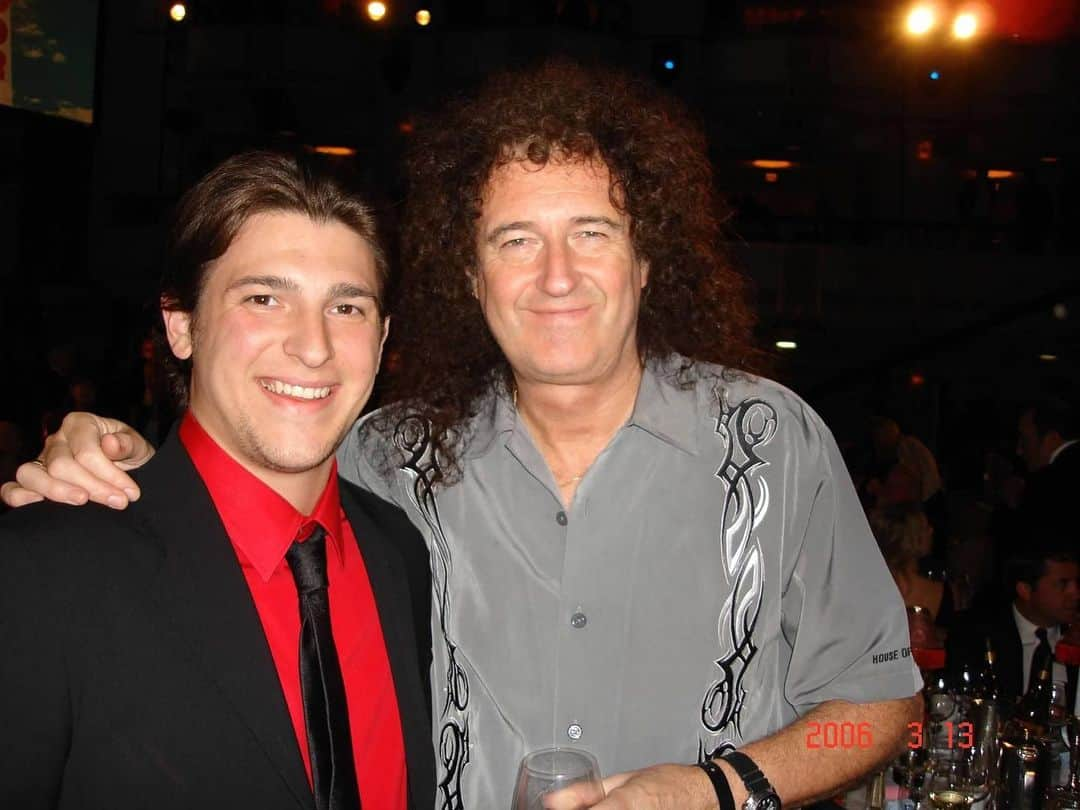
[[904, 535]]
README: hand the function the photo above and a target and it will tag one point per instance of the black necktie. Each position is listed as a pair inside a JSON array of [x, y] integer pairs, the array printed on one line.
[[326, 715], [1043, 656]]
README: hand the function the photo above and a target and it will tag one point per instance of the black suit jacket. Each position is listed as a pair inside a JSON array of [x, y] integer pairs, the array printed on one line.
[[966, 644], [1047, 511], [134, 672]]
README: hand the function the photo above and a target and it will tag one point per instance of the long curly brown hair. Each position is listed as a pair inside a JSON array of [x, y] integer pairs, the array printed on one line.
[[447, 359]]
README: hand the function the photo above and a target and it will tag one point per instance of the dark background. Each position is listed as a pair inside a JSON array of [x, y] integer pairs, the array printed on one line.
[[914, 282]]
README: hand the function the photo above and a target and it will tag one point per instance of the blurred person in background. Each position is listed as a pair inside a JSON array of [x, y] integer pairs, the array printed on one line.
[[905, 536], [1048, 444]]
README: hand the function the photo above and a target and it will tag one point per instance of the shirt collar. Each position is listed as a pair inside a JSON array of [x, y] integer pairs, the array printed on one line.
[[1027, 629], [665, 410], [261, 524], [496, 417], [662, 409], [1056, 453]]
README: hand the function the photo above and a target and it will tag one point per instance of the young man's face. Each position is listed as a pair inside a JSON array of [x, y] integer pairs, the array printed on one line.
[[286, 342], [558, 280], [1055, 597]]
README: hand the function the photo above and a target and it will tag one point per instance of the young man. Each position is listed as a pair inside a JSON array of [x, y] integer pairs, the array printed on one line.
[[1043, 594], [636, 548], [243, 636]]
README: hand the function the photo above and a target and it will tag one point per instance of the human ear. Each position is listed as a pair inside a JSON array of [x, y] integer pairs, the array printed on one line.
[[385, 333], [1023, 590], [178, 332], [643, 268]]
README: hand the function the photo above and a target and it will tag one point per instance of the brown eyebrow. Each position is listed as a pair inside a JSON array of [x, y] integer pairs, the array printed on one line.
[[597, 220], [525, 225], [348, 290], [509, 226], [344, 289], [273, 282]]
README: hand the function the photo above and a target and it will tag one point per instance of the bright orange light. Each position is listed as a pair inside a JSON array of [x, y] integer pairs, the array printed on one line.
[[423, 17], [965, 26], [376, 11], [177, 12], [336, 151], [921, 20], [772, 164], [999, 174]]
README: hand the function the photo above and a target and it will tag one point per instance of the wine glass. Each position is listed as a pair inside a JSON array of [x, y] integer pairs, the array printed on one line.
[[1056, 733], [1067, 796], [954, 785], [545, 775], [910, 770], [1059, 708]]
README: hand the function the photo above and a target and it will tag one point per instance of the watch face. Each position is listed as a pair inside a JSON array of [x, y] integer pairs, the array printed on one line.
[[762, 801]]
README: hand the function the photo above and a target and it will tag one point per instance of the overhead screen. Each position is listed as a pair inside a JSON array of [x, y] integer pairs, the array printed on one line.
[[48, 56]]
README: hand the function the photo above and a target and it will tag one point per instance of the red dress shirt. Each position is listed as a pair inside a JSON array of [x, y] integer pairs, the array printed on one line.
[[262, 525]]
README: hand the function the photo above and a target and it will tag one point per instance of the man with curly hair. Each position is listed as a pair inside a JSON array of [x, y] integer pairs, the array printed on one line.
[[637, 547]]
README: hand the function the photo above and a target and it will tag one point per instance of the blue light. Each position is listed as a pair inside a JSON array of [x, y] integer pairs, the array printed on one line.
[[669, 64], [934, 75]]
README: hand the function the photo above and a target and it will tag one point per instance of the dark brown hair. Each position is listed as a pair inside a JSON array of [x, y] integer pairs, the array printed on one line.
[[660, 176], [209, 216]]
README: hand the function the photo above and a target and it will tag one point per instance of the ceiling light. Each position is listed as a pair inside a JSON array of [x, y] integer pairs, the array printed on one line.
[[920, 20]]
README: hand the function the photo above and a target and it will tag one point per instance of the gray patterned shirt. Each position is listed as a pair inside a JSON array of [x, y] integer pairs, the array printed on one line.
[[714, 579]]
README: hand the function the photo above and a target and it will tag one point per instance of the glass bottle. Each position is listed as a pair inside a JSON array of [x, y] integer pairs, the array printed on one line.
[[1025, 763]]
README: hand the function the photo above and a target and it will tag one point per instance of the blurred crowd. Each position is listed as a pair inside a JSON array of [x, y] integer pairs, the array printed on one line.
[[1014, 586]]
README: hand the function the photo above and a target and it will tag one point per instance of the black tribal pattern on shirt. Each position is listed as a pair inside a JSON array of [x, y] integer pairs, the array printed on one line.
[[744, 430], [412, 437]]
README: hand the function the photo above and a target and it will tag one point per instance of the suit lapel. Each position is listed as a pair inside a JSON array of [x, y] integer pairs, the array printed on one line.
[[389, 585], [202, 592]]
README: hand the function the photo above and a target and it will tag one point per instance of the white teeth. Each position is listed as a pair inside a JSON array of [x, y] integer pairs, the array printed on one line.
[[297, 391]]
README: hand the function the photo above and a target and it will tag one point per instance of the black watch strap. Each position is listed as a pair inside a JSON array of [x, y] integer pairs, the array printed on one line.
[[719, 783], [748, 771]]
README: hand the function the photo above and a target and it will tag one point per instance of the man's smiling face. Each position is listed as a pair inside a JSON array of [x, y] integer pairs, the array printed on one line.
[[285, 344], [559, 282]]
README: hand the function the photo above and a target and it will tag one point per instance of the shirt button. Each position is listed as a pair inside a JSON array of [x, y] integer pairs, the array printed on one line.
[[560, 518], [573, 731], [578, 620]]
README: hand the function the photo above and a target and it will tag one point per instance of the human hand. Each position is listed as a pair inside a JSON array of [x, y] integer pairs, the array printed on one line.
[[660, 787], [82, 461]]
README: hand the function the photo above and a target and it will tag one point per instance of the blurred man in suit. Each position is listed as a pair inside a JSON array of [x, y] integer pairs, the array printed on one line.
[[1025, 625]]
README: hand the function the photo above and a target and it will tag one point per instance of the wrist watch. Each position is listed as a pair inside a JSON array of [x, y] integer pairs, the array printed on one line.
[[761, 796]]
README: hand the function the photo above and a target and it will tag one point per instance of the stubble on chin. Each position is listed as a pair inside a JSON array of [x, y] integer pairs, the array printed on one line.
[[279, 459]]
